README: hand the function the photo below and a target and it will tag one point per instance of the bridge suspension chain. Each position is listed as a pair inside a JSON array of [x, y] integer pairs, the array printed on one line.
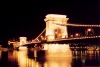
[[40, 34], [80, 25]]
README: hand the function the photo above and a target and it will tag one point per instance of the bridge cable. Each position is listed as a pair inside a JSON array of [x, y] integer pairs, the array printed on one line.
[[85, 25], [40, 34]]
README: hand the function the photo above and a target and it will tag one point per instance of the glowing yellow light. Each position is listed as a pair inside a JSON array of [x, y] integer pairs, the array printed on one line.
[[77, 34], [71, 35], [89, 29], [22, 48], [0, 54], [22, 40], [58, 50]]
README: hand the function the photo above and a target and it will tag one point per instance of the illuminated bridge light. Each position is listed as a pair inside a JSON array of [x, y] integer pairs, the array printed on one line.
[[41, 36], [93, 36], [96, 36], [80, 25]]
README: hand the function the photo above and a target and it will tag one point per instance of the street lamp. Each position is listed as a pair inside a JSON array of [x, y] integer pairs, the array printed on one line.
[[89, 29], [71, 35], [77, 34]]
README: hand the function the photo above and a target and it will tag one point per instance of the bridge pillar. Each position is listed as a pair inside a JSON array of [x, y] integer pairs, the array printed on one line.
[[53, 30], [22, 40]]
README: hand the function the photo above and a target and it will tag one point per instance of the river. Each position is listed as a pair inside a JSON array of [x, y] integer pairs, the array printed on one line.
[[54, 57]]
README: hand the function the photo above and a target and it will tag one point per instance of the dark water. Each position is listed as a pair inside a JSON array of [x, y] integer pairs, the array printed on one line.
[[25, 58]]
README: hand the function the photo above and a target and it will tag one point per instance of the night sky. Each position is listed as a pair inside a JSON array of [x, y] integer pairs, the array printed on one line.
[[27, 19]]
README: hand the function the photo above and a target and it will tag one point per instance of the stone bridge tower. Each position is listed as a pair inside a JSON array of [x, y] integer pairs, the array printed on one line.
[[54, 31], [23, 40]]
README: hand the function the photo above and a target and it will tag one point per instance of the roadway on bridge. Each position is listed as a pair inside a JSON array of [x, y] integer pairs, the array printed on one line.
[[76, 38]]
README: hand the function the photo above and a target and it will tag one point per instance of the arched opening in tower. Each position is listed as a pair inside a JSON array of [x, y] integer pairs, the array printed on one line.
[[58, 33]]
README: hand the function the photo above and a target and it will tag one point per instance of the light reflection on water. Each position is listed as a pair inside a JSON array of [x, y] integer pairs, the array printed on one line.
[[58, 62], [25, 58], [57, 50], [0, 54]]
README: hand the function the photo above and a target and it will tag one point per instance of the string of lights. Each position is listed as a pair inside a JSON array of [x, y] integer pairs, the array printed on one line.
[[78, 25], [86, 37]]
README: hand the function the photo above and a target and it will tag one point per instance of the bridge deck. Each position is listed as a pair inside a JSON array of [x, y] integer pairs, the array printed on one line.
[[77, 38]]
